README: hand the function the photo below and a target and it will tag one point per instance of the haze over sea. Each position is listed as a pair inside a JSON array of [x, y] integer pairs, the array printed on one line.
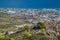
[[29, 3]]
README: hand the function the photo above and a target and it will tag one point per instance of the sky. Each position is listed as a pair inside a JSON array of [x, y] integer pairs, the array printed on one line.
[[29, 3]]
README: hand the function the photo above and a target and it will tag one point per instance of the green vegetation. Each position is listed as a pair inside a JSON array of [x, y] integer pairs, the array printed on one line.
[[41, 25], [2, 36], [6, 26], [27, 27], [27, 34], [20, 29], [58, 37], [4, 15], [39, 36]]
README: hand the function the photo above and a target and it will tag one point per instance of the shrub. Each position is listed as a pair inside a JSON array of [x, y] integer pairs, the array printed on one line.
[[27, 34], [27, 28], [41, 25], [2, 37]]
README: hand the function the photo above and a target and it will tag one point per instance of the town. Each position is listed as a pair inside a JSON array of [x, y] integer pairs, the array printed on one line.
[[29, 24]]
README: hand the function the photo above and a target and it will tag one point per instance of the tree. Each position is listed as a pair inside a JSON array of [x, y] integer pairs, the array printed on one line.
[[41, 25]]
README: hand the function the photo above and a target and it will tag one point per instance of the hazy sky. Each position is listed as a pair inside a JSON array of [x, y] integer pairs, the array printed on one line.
[[29, 3]]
